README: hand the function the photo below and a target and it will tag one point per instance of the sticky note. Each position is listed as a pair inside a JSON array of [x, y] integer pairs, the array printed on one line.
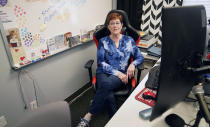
[[42, 27]]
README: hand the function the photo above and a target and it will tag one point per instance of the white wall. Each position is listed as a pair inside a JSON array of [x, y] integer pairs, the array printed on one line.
[[57, 78]]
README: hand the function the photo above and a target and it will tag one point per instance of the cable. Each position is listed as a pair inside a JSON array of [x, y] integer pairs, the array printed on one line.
[[188, 125], [34, 85], [22, 91], [23, 95], [35, 93], [187, 99]]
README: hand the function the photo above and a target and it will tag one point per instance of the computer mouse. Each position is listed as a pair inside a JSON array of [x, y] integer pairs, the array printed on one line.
[[149, 95], [173, 120]]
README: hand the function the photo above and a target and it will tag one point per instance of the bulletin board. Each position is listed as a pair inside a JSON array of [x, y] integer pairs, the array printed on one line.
[[33, 30]]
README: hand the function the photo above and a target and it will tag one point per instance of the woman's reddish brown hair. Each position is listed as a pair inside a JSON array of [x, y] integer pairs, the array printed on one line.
[[113, 16]]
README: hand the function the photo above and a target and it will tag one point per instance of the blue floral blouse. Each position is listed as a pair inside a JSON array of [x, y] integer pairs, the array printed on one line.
[[111, 59]]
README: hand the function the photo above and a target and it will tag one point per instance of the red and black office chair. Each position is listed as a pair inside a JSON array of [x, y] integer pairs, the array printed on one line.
[[126, 30]]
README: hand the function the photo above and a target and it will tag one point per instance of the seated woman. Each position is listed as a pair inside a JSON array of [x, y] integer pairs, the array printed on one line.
[[113, 70]]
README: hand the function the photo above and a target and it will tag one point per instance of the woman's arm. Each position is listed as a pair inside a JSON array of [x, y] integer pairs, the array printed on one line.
[[138, 59]]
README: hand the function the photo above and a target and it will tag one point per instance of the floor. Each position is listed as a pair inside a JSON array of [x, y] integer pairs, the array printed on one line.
[[80, 105]]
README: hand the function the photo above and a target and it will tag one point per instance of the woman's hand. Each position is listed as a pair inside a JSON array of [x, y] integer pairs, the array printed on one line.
[[130, 71], [123, 77]]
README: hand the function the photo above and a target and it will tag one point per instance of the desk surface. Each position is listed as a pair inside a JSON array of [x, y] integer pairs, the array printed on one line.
[[128, 113]]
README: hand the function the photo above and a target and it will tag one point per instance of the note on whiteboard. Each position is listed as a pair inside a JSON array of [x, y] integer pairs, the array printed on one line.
[[51, 45], [8, 19]]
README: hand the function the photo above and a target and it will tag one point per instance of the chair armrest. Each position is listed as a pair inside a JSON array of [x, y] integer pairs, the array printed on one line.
[[89, 64], [94, 80], [94, 83], [133, 83], [140, 67]]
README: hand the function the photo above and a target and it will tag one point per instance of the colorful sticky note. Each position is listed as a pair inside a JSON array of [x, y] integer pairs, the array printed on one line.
[[42, 27]]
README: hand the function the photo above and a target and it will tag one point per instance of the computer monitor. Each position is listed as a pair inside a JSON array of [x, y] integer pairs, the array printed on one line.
[[183, 44]]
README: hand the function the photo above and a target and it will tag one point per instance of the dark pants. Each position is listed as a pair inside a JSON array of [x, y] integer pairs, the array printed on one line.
[[106, 84]]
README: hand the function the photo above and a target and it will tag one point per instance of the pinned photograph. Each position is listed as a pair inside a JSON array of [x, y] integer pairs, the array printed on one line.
[[51, 45], [91, 32], [67, 39], [75, 40], [84, 35], [59, 41], [13, 37]]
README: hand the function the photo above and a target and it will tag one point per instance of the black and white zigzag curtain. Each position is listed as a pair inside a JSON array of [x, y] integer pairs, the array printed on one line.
[[151, 16]]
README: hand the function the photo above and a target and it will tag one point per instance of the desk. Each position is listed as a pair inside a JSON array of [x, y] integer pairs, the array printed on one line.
[[128, 113]]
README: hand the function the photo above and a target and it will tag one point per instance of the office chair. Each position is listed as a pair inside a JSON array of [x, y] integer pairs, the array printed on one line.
[[56, 114], [126, 30]]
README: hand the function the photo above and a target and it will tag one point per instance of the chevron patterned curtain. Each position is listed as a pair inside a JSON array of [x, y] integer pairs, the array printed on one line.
[[151, 17]]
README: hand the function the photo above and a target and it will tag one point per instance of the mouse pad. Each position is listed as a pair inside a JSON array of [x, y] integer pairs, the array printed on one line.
[[146, 101]]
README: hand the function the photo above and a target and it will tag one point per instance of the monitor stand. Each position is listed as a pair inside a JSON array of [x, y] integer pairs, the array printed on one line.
[[203, 110]]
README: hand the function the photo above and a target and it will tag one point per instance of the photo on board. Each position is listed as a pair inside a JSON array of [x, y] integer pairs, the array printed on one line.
[[51, 45], [67, 39], [13, 37], [59, 41], [16, 48], [75, 40], [91, 32], [84, 35]]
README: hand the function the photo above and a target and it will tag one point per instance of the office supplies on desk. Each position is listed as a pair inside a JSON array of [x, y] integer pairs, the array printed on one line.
[[147, 37], [141, 33], [149, 102], [146, 41], [154, 51]]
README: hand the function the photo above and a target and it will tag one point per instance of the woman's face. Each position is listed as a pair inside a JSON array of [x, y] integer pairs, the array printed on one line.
[[115, 26]]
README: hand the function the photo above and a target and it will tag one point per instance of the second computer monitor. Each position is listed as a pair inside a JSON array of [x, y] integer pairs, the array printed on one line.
[[183, 44]]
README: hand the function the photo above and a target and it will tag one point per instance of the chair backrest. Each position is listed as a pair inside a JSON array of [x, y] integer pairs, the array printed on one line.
[[126, 30], [56, 114]]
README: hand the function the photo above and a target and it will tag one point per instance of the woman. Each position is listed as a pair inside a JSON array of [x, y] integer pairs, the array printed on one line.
[[113, 70]]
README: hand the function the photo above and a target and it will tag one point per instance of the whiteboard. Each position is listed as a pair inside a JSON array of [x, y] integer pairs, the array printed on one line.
[[36, 29]]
